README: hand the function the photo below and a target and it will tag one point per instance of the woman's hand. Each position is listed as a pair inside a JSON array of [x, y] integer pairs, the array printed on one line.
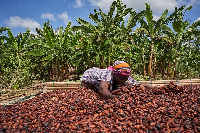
[[104, 92]]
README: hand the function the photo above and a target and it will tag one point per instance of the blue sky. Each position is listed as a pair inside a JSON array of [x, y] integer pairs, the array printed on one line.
[[18, 15]]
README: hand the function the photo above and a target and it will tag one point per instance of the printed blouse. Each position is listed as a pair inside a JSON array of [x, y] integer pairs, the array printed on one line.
[[95, 75]]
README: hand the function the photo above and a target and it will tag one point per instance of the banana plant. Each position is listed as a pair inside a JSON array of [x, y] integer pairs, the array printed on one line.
[[4, 53], [109, 35], [181, 33], [151, 28], [14, 46], [57, 50], [12, 61]]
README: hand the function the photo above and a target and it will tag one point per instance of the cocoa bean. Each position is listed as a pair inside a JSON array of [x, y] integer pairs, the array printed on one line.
[[168, 108]]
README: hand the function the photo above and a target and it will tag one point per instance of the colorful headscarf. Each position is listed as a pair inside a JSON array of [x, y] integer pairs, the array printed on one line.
[[120, 68]]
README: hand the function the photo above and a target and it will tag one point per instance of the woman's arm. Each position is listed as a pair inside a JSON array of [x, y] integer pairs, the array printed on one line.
[[103, 90], [132, 82]]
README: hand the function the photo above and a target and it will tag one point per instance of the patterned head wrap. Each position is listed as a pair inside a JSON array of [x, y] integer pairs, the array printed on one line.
[[120, 68]]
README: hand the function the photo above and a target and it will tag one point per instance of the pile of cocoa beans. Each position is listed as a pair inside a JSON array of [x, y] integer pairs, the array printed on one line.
[[168, 108]]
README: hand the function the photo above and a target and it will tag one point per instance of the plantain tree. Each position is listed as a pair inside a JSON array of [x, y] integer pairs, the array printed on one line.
[[54, 51], [151, 29], [14, 66], [181, 35], [108, 37]]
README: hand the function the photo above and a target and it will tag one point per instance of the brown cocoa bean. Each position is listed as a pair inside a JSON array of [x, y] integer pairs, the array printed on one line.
[[167, 108]]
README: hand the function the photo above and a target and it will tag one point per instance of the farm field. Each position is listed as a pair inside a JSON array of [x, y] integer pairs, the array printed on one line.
[[163, 53], [167, 48]]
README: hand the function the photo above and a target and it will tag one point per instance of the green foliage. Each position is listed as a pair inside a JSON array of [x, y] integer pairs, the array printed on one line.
[[14, 73], [154, 50], [109, 35]]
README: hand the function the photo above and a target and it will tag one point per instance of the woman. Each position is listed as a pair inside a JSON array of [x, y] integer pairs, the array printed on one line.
[[107, 80]]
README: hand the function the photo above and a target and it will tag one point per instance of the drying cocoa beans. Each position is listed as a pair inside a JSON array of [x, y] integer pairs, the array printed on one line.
[[168, 108]]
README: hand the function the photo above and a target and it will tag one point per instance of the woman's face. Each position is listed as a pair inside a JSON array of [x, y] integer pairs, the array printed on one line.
[[120, 79]]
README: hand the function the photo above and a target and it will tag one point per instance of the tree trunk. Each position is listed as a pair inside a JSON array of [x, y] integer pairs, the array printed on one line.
[[144, 67], [150, 61], [163, 69], [61, 72], [168, 70], [173, 71], [49, 72], [154, 68], [144, 71]]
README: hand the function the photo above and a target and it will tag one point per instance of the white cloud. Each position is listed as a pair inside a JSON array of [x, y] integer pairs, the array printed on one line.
[[48, 16], [79, 3], [157, 6], [103, 4], [189, 2], [64, 16], [16, 21], [198, 19], [156, 17]]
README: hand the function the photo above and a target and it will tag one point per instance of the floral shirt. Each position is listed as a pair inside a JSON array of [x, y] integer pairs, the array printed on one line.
[[95, 75]]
